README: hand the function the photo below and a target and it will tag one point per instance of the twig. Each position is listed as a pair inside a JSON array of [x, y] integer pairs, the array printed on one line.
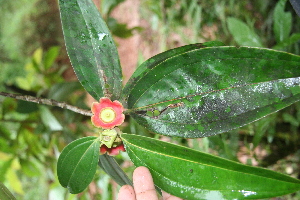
[[49, 102], [18, 121]]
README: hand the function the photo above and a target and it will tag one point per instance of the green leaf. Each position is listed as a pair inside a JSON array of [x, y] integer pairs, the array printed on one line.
[[50, 56], [242, 34], [112, 168], [49, 119], [13, 179], [121, 30], [5, 132], [26, 107], [62, 91], [282, 22], [198, 92], [37, 59], [108, 5], [192, 174], [91, 48], [5, 194], [29, 167], [289, 41], [262, 127], [77, 164], [6, 164]]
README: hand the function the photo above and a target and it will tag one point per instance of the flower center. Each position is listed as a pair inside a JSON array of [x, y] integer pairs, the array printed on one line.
[[107, 115]]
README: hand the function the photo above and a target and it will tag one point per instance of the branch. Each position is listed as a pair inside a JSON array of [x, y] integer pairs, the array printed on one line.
[[49, 102]]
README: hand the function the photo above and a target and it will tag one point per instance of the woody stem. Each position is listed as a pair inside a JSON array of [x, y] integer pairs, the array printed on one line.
[[49, 102]]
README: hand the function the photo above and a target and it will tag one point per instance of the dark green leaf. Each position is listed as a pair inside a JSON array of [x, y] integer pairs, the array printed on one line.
[[112, 168], [26, 107], [91, 48], [5, 194], [191, 174], [242, 34], [197, 92], [282, 22], [62, 91], [121, 30], [108, 5], [77, 164]]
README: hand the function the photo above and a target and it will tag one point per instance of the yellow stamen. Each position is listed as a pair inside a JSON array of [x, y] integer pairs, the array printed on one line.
[[107, 115]]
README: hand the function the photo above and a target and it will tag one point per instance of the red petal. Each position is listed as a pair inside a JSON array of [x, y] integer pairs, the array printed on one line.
[[115, 150], [104, 103], [95, 107], [104, 149]]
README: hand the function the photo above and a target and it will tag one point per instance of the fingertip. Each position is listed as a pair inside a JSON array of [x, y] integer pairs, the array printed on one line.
[[142, 178], [126, 193], [167, 196], [141, 170], [143, 184]]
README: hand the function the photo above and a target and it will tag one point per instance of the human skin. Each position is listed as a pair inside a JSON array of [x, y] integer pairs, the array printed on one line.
[[143, 188]]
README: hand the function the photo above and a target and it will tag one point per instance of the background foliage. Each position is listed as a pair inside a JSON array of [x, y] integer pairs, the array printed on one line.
[[34, 62]]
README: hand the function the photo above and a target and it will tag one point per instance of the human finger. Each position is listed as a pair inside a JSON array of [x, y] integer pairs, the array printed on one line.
[[143, 184], [126, 193], [167, 196]]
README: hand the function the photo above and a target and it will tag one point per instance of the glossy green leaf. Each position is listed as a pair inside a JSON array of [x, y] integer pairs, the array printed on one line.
[[242, 34], [197, 92], [192, 174], [77, 164], [282, 22], [91, 48]]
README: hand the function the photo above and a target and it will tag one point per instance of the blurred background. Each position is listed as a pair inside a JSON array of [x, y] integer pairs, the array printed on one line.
[[33, 61]]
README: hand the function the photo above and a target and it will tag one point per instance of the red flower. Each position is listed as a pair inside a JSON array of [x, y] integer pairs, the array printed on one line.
[[112, 151], [107, 114]]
